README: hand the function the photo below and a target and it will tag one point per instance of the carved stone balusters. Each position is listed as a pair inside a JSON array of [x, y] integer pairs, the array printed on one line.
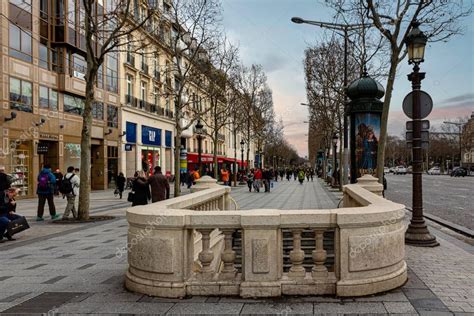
[[297, 256], [228, 256], [319, 270], [206, 255]]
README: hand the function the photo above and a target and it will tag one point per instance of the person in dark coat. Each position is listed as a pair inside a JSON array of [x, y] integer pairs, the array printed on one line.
[[7, 210], [45, 192], [5, 182], [59, 178], [141, 189], [160, 188], [121, 183]]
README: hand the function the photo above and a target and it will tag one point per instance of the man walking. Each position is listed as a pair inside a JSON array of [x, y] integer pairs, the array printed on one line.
[[225, 176], [70, 188], [5, 182], [45, 191], [160, 188], [267, 178]]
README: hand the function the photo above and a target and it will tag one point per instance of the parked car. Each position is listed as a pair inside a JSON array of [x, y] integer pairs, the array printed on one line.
[[386, 170], [434, 171], [400, 170], [459, 172], [391, 170], [410, 169]]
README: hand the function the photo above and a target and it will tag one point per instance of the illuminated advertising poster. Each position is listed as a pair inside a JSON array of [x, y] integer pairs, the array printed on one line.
[[366, 142]]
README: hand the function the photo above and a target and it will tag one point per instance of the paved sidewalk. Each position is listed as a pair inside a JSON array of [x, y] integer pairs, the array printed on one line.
[[80, 271]]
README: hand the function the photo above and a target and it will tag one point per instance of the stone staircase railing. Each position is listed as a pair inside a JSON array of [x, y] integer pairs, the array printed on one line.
[[368, 247]]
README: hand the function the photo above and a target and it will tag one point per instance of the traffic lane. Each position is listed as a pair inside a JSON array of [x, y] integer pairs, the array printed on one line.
[[443, 196]]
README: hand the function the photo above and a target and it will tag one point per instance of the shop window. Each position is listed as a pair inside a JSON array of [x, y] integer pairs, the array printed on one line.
[[112, 116], [73, 105], [19, 167], [98, 110], [48, 98], [20, 43], [21, 95]]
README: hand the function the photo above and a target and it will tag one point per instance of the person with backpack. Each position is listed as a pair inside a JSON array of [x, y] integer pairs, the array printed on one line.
[[301, 176], [69, 188], [45, 191]]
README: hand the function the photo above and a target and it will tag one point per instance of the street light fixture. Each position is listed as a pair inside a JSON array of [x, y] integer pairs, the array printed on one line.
[[242, 143], [345, 28], [199, 132], [417, 233]]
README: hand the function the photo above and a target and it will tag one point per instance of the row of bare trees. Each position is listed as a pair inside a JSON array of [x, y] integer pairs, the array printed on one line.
[[380, 46], [205, 78]]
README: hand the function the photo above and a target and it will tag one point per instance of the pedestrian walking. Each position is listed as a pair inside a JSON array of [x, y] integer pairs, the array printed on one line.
[[267, 179], [45, 192], [7, 211], [257, 183], [140, 189], [160, 188], [250, 179], [301, 176], [121, 184], [5, 180], [59, 177], [288, 174], [295, 174], [311, 174], [225, 175], [70, 189]]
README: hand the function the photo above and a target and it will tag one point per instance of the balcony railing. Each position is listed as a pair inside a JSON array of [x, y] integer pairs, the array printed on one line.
[[144, 68], [207, 247], [131, 100], [131, 59]]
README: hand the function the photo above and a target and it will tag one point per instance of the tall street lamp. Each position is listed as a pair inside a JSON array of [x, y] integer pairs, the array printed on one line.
[[242, 143], [334, 155], [345, 28], [199, 132], [417, 233]]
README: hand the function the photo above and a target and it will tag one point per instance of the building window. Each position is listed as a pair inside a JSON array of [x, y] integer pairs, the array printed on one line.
[[48, 98], [21, 95], [112, 116], [98, 110], [73, 105], [78, 66], [20, 43], [143, 94], [129, 95], [112, 72]]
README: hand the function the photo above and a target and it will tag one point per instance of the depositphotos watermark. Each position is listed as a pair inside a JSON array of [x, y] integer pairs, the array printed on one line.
[[121, 251]]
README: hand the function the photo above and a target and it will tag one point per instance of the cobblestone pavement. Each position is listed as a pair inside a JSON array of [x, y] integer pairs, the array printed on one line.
[[443, 196], [80, 271]]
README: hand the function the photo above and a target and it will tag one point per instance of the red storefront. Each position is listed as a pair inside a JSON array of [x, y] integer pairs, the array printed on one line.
[[208, 162]]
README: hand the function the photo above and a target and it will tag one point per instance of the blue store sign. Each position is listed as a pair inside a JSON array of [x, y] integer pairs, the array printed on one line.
[[131, 129], [151, 136], [168, 138]]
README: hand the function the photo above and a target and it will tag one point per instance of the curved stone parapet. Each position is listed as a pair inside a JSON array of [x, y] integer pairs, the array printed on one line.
[[175, 252]]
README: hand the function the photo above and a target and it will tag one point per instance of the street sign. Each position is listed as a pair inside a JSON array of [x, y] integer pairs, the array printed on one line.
[[425, 125], [426, 104], [425, 136]]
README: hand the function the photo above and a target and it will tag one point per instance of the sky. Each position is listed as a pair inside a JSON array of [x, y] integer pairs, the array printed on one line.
[[266, 36]]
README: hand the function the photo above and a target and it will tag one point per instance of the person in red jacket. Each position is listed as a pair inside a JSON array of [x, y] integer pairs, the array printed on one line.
[[258, 180]]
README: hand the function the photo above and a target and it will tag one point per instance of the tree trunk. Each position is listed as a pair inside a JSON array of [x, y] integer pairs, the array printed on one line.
[[384, 119], [216, 165], [85, 172], [177, 162]]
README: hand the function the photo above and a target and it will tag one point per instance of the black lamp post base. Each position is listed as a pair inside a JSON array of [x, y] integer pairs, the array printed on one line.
[[418, 235]]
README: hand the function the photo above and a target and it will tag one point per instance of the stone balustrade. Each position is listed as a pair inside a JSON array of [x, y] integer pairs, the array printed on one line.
[[368, 247]]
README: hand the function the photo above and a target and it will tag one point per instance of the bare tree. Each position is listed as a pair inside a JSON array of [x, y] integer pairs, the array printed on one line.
[[393, 19], [106, 31], [221, 72], [194, 32]]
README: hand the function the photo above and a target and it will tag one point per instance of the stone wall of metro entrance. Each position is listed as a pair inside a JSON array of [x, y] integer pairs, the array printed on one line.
[[171, 253]]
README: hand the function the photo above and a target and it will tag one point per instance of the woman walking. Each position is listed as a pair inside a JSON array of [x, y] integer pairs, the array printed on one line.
[[141, 189], [120, 184], [250, 179]]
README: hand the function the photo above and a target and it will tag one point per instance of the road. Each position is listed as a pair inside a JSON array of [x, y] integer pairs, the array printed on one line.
[[450, 198]]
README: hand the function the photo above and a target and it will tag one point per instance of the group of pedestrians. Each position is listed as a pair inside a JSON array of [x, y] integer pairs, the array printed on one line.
[[155, 188], [256, 179], [298, 173]]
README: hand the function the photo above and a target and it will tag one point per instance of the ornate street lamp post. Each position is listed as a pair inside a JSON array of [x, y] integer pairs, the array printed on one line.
[[242, 143], [199, 132], [417, 233], [334, 156]]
